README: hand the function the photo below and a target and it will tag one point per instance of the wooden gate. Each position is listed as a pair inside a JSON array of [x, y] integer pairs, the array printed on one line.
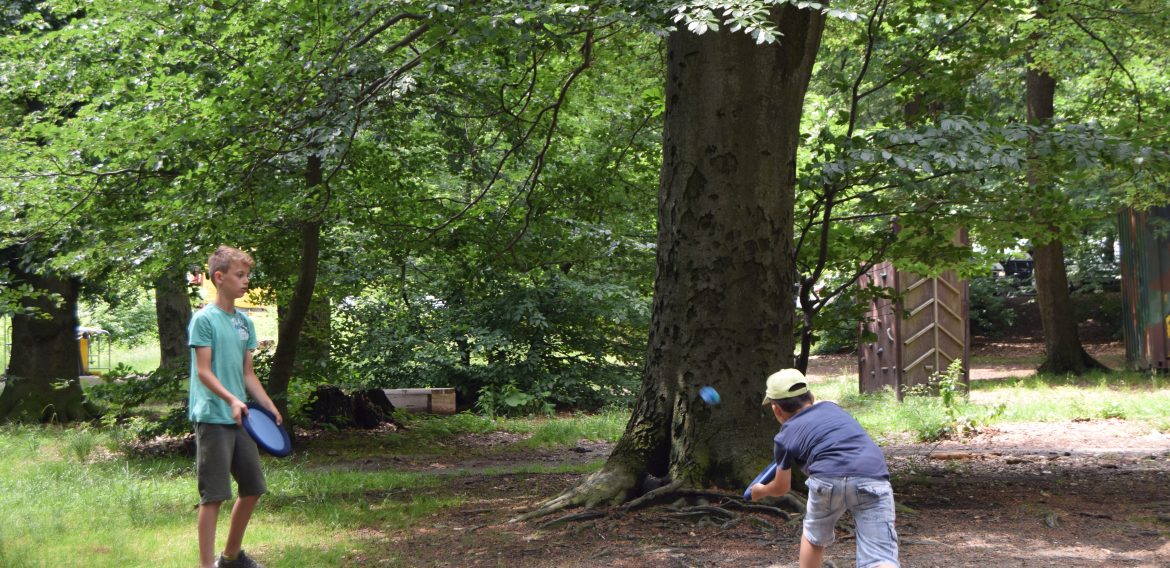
[[915, 333]]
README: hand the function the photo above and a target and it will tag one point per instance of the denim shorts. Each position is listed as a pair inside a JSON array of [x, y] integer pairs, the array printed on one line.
[[871, 501], [224, 452]]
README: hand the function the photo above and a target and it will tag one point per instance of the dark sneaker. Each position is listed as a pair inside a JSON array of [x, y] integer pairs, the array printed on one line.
[[242, 561]]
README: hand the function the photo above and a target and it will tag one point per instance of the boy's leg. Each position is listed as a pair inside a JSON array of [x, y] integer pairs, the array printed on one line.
[[241, 514], [872, 504], [249, 478], [214, 445], [811, 555], [826, 504], [208, 516]]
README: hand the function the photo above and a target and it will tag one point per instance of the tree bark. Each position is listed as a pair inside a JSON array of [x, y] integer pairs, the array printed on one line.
[[723, 310], [172, 307], [292, 319], [43, 366], [1063, 351]]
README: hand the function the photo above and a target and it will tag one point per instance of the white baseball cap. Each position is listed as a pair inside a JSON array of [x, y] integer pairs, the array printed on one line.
[[785, 383]]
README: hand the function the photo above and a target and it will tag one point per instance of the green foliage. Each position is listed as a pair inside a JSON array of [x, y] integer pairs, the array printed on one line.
[[836, 328], [1112, 409], [752, 17], [123, 389], [606, 427], [143, 404], [958, 417], [81, 442], [520, 347], [990, 314], [130, 320]]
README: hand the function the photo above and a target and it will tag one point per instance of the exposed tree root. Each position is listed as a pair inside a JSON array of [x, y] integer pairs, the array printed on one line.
[[688, 505], [1078, 365], [605, 487], [658, 495], [572, 518]]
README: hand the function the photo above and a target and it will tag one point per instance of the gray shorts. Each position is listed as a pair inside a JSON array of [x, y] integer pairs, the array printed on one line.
[[224, 452], [872, 503]]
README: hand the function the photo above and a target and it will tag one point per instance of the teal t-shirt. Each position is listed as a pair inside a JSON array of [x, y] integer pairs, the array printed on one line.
[[230, 337]]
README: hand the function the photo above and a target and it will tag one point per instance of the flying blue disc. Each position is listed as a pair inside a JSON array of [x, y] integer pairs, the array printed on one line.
[[764, 477], [270, 436], [709, 395]]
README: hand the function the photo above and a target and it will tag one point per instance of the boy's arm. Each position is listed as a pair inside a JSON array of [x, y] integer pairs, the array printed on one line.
[[209, 380], [256, 389], [779, 485]]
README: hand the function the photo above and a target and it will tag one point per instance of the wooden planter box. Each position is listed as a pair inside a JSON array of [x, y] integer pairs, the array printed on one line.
[[429, 400]]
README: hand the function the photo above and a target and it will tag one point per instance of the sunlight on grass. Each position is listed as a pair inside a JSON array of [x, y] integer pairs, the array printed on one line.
[[58, 509], [607, 427], [1133, 396]]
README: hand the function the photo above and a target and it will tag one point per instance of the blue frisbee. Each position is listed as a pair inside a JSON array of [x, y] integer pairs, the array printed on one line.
[[764, 477], [270, 436], [709, 395]]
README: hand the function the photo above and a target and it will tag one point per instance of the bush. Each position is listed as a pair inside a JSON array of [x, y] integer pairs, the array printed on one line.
[[515, 346], [990, 314], [950, 414], [124, 394]]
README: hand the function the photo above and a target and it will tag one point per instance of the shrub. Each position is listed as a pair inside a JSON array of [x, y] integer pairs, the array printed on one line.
[[990, 313]]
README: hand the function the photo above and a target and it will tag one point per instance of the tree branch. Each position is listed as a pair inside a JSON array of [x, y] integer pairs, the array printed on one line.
[[1137, 95]]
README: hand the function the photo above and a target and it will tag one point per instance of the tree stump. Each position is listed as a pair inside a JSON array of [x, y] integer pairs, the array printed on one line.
[[367, 409]]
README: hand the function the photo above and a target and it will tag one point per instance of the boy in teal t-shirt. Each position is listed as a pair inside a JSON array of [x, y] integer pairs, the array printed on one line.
[[222, 340]]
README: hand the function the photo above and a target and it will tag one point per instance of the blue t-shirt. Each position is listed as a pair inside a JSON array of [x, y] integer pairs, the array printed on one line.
[[230, 337], [825, 440]]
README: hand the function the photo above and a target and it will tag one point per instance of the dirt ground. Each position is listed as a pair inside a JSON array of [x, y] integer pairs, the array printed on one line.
[[1075, 494]]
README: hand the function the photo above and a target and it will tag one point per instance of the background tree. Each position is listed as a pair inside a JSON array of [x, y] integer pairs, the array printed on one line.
[[722, 310], [42, 383]]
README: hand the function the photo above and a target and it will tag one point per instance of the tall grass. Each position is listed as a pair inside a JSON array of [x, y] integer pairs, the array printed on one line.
[[605, 427]]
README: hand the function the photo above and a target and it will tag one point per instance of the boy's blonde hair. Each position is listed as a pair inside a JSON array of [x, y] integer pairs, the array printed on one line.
[[221, 260]]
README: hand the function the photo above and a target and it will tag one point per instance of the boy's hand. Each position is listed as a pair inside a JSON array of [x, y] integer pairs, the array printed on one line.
[[757, 491], [239, 411]]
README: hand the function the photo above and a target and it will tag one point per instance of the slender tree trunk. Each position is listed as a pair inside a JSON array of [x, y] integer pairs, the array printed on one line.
[[292, 320], [313, 347], [1063, 352], [172, 306], [723, 299], [42, 375]]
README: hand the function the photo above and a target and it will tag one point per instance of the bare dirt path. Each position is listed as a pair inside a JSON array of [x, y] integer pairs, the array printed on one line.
[[1037, 495]]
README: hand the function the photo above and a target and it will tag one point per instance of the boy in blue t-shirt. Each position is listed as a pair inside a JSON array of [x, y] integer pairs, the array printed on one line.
[[222, 340], [846, 471]]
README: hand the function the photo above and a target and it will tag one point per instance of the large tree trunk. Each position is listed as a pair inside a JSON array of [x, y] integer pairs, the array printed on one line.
[[292, 320], [1063, 352], [172, 306], [42, 376], [723, 300]]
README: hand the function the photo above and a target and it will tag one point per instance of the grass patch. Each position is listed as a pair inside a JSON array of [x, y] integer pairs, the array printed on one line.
[[64, 502], [606, 427], [67, 500], [1133, 396], [1129, 395]]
